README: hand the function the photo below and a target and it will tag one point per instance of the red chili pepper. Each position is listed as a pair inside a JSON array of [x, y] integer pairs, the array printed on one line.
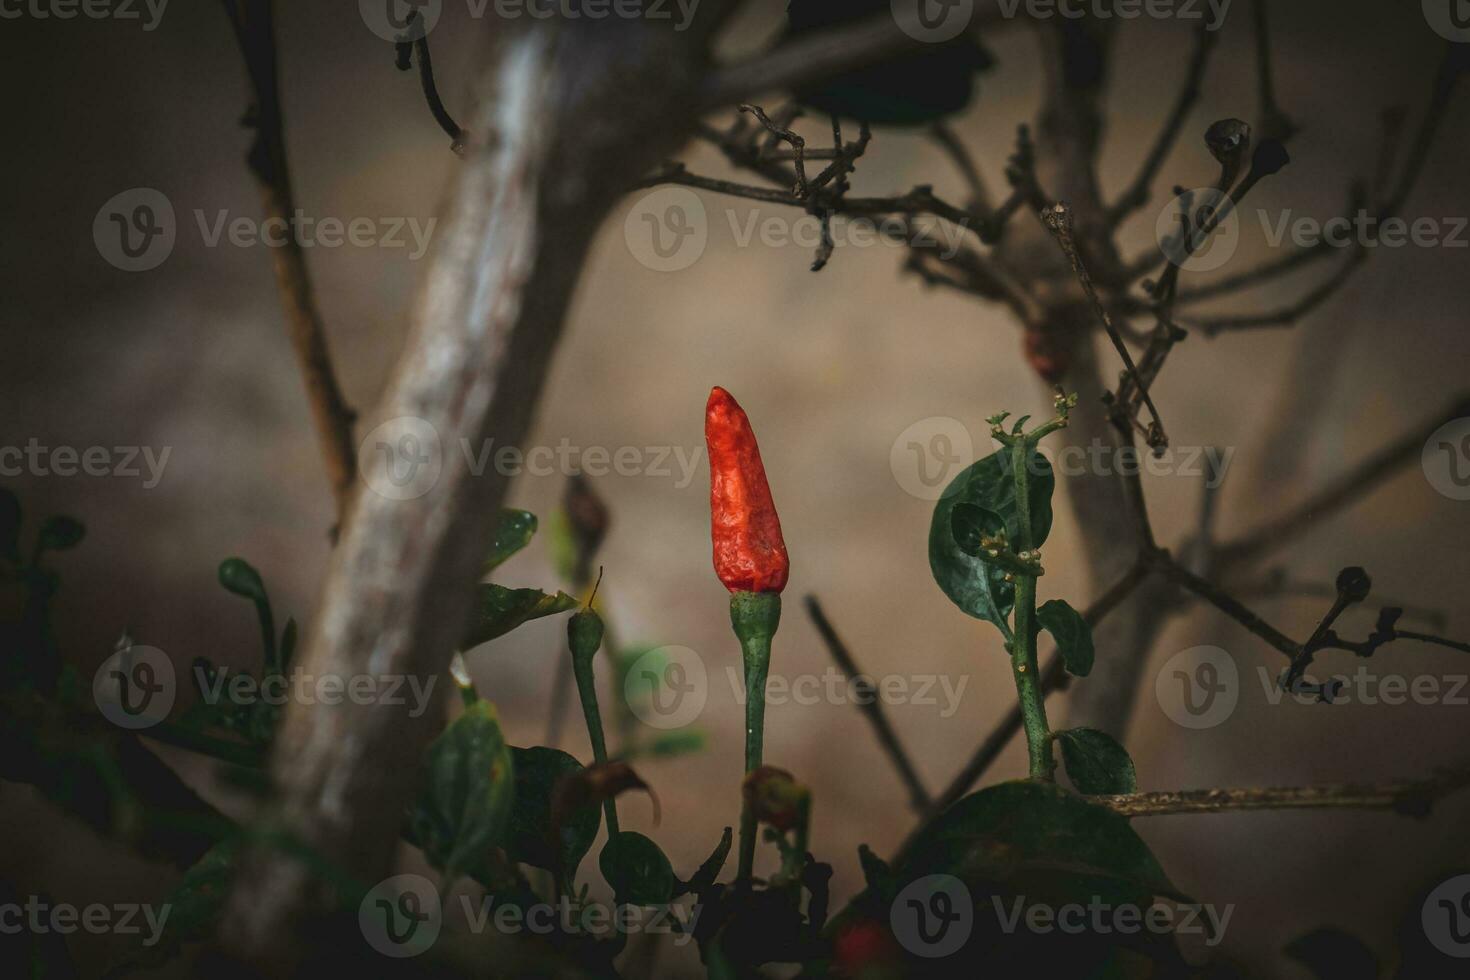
[[750, 555]]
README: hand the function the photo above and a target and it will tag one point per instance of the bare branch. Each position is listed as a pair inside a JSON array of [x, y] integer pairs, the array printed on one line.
[[872, 707]]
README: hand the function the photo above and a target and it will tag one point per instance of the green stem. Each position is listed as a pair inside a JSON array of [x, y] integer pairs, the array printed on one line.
[[587, 691], [1023, 642], [755, 616]]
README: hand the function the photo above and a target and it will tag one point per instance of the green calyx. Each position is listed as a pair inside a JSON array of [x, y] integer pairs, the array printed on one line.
[[755, 616]]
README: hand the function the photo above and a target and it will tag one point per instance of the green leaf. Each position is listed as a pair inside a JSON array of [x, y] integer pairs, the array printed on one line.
[[9, 524], [637, 870], [60, 533], [1073, 635], [464, 809], [194, 908], [240, 577], [512, 533], [1043, 841], [1097, 764], [985, 496], [537, 771], [498, 610]]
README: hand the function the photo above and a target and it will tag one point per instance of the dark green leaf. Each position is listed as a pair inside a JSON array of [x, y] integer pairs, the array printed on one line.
[[970, 523], [1096, 763], [1040, 840], [9, 524], [987, 493], [537, 772], [194, 908], [238, 576], [464, 808], [498, 610], [637, 870], [1073, 635], [512, 533], [60, 533]]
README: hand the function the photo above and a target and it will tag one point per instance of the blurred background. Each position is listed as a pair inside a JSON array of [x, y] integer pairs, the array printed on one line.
[[832, 367]]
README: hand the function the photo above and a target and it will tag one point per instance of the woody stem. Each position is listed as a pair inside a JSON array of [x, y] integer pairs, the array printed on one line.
[[1023, 642]]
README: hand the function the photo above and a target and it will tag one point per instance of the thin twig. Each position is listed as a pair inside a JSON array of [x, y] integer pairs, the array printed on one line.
[[1415, 798], [255, 31], [871, 707], [431, 89]]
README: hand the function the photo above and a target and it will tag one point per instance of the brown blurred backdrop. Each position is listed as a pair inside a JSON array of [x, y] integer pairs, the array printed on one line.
[[832, 367]]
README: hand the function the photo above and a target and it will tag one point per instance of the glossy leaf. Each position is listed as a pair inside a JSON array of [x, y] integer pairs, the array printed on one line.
[[513, 532], [1044, 839], [60, 533], [466, 804], [985, 496], [537, 772], [498, 610], [1096, 763], [637, 870], [1073, 635]]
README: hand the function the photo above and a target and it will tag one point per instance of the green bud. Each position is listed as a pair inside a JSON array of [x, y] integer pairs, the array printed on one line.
[[584, 633]]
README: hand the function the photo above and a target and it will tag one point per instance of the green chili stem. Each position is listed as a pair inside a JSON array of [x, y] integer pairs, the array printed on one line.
[[1023, 642], [755, 616], [587, 691]]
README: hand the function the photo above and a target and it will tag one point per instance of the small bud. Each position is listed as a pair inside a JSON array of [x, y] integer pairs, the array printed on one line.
[[1353, 584], [584, 633], [775, 797]]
